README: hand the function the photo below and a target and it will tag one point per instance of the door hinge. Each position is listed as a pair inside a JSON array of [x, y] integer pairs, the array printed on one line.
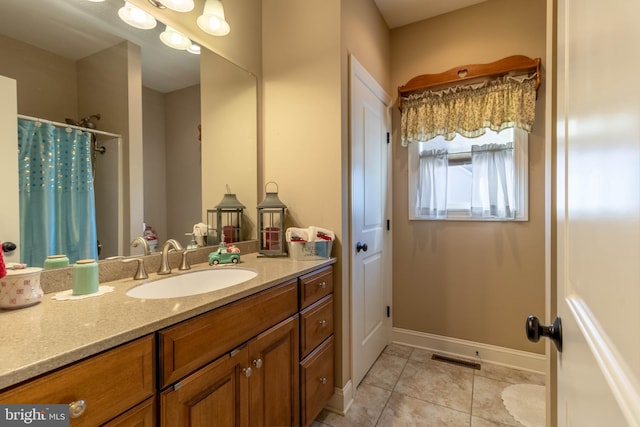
[[388, 224], [388, 137], [388, 311]]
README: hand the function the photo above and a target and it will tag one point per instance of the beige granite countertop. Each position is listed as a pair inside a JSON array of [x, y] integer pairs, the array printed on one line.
[[51, 334]]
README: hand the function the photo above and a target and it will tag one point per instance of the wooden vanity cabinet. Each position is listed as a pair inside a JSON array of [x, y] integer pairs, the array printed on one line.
[[251, 355], [316, 342], [105, 387]]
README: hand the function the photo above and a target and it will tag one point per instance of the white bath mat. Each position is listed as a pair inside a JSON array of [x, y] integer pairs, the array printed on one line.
[[525, 402]]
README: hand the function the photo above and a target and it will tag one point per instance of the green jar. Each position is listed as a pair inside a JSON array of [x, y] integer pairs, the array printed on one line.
[[85, 277], [56, 261]]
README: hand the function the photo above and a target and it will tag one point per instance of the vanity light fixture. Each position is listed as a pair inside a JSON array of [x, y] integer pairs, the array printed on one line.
[[212, 19], [177, 5], [194, 48], [175, 39], [136, 17]]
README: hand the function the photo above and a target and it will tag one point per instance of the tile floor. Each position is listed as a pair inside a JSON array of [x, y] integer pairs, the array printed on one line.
[[406, 388]]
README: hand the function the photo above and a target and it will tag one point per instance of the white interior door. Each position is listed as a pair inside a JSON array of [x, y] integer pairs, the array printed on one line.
[[598, 205], [370, 203]]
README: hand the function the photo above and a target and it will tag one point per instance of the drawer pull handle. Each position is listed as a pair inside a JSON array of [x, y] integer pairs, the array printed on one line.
[[247, 372], [323, 380], [257, 363], [322, 284], [322, 323], [77, 408]]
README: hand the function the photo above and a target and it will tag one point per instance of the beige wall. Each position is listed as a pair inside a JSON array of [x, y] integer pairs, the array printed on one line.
[[365, 36], [302, 104], [184, 186], [241, 45], [155, 158], [47, 86], [9, 217], [305, 90], [469, 280]]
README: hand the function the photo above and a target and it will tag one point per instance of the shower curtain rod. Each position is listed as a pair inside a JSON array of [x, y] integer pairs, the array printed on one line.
[[96, 131]]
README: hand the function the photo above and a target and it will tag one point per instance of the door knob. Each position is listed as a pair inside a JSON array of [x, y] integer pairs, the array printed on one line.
[[361, 247], [535, 330]]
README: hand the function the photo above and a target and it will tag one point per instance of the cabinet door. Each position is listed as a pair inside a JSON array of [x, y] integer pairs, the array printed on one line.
[[274, 385], [215, 395]]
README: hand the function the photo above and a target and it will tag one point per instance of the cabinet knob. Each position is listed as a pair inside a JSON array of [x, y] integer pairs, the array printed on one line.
[[247, 372], [257, 363], [77, 408], [322, 285], [322, 323], [323, 380]]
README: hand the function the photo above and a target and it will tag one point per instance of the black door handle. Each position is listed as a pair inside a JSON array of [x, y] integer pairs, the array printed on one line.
[[535, 330], [361, 247]]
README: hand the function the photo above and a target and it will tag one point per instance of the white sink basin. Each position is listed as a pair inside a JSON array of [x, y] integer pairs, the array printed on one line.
[[197, 282]]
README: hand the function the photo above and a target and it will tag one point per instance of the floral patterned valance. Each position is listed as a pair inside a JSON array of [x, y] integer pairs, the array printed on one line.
[[497, 104]]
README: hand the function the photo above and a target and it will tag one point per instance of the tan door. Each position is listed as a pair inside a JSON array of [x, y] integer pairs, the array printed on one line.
[[370, 205], [598, 207]]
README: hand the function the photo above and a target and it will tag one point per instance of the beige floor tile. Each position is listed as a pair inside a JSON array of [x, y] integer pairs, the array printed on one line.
[[420, 355], [510, 375], [398, 350], [365, 410], [385, 371], [481, 422], [407, 411], [438, 383], [487, 401]]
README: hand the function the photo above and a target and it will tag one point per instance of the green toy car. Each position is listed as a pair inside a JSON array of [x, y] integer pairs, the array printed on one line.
[[225, 255]]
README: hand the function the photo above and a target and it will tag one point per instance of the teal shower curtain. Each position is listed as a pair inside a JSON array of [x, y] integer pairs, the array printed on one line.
[[57, 203]]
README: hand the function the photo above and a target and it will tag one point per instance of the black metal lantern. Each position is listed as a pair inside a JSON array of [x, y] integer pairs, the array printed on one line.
[[271, 224], [229, 219]]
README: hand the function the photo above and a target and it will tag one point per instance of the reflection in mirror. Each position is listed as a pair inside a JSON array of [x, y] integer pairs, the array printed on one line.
[[65, 61]]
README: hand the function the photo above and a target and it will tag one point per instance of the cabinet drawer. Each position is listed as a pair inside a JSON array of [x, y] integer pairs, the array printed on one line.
[[316, 378], [109, 383], [316, 324], [143, 415], [316, 285], [191, 344]]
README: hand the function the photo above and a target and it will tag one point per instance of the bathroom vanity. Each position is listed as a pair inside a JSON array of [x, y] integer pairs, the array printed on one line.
[[257, 353]]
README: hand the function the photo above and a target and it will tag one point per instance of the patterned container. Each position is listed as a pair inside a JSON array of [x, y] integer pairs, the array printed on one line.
[[20, 288]]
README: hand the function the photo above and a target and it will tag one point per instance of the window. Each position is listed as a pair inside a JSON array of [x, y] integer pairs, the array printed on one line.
[[482, 178]]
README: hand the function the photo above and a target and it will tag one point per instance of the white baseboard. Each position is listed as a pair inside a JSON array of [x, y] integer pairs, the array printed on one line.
[[467, 349], [341, 400]]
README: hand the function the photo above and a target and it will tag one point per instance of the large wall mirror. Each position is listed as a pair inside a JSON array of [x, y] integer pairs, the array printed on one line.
[[178, 128]]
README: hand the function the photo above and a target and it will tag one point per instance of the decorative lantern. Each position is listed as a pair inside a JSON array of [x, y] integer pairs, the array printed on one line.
[[229, 219], [271, 224]]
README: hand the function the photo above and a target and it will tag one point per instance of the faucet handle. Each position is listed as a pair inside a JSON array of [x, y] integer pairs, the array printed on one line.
[[141, 273], [184, 265]]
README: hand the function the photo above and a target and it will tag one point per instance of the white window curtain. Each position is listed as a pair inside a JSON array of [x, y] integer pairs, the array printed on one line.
[[431, 197], [493, 181]]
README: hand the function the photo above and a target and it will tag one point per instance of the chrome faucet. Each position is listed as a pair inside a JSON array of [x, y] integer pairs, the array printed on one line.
[[141, 241], [165, 267]]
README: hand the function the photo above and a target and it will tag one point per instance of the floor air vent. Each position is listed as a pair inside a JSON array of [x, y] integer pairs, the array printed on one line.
[[459, 362]]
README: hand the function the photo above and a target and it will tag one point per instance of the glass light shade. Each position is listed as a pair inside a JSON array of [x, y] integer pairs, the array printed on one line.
[[212, 19], [136, 17], [179, 5], [194, 48], [175, 39]]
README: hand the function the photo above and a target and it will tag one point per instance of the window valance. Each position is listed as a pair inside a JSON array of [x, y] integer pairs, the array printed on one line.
[[500, 101]]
